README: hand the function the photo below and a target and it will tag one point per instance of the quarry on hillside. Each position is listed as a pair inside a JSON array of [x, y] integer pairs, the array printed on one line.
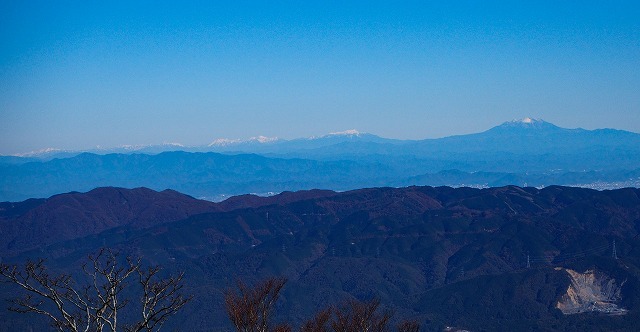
[[591, 291]]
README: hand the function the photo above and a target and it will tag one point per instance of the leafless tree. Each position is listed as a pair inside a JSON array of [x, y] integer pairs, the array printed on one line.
[[360, 316], [355, 316], [250, 308], [98, 304], [161, 298], [319, 323], [283, 327], [409, 326]]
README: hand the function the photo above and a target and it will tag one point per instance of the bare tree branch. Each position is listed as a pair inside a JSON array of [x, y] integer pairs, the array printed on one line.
[[161, 298], [250, 309], [319, 323], [96, 305], [409, 326], [354, 315]]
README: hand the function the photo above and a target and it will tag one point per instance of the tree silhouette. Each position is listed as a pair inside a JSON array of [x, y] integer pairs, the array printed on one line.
[[409, 326], [97, 305], [354, 315], [319, 323], [250, 308]]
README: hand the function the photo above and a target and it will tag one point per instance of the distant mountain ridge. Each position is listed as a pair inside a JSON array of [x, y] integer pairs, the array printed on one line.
[[237, 145], [527, 152], [263, 144]]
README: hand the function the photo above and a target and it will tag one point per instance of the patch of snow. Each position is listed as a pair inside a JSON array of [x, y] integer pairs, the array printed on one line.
[[227, 142], [350, 132], [132, 147], [224, 142], [527, 120], [37, 153], [173, 144], [263, 139]]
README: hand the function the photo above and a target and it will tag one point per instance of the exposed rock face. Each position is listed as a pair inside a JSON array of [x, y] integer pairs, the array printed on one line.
[[591, 291]]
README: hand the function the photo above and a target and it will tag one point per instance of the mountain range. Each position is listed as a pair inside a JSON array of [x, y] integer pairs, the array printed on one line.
[[477, 259], [525, 136], [492, 242], [526, 153]]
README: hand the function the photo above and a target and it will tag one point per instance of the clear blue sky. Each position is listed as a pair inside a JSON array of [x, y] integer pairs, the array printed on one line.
[[75, 75]]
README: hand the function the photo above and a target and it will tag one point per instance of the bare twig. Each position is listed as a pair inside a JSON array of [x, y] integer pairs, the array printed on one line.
[[250, 309], [96, 306]]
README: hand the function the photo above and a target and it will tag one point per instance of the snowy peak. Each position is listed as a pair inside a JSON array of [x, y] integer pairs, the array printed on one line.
[[525, 124], [263, 139], [42, 152], [525, 128], [263, 144], [346, 134], [350, 132], [529, 120], [223, 142], [351, 135], [140, 147], [226, 142]]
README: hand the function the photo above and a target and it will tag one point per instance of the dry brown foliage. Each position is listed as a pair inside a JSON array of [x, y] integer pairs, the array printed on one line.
[[319, 323], [250, 308], [409, 326], [359, 316]]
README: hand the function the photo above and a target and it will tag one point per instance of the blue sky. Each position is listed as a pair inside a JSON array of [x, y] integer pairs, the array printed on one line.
[[75, 75]]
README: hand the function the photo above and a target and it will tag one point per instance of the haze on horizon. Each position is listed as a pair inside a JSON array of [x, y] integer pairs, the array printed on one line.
[[79, 75]]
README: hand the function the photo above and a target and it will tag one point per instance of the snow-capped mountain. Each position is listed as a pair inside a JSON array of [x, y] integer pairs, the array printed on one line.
[[225, 142], [516, 152], [350, 133], [51, 153], [528, 136], [531, 137], [527, 124], [262, 144]]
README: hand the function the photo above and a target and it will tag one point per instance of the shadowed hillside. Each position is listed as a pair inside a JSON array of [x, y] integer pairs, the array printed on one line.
[[441, 255]]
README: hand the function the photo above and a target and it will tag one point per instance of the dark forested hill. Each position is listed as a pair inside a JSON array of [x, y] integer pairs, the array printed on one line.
[[481, 259], [37, 223]]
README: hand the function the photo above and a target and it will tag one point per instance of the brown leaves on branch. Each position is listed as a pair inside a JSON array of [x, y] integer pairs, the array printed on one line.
[[354, 315], [409, 326], [97, 305], [351, 315], [319, 323], [250, 309], [100, 303]]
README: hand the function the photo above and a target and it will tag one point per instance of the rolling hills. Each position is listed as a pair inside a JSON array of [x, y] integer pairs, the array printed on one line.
[[445, 256]]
